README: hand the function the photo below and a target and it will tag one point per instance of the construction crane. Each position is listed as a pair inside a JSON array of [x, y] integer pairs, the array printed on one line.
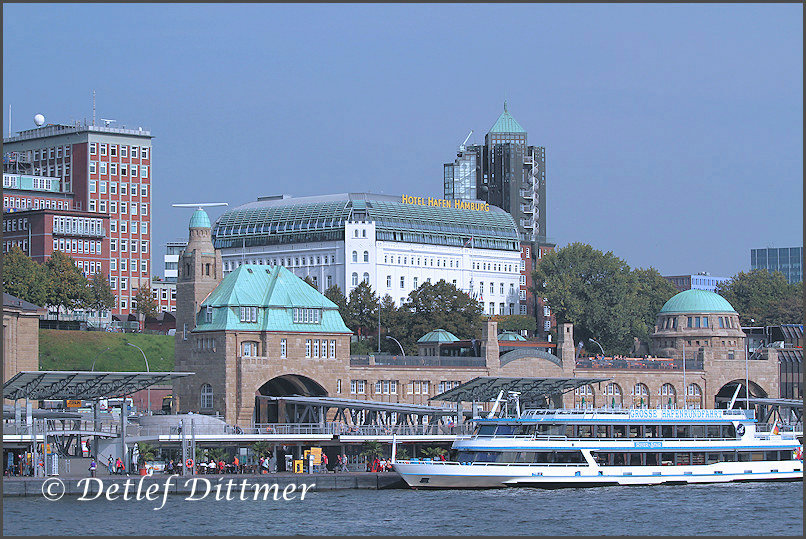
[[462, 146]]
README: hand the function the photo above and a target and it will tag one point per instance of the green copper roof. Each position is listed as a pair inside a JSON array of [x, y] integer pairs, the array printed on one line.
[[438, 335], [506, 124], [510, 336], [199, 219], [697, 301], [275, 292], [323, 218]]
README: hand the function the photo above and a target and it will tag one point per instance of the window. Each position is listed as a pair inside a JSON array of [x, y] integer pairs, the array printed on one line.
[[113, 244], [124, 225], [144, 266], [134, 230], [103, 170], [366, 256], [92, 186], [113, 169], [306, 316], [206, 396], [134, 170], [134, 152], [366, 277], [333, 348], [93, 149], [144, 171], [143, 243], [248, 314], [144, 153], [613, 394], [355, 279], [358, 387], [144, 190], [355, 256], [124, 168], [668, 396], [283, 348], [249, 349], [388, 281], [307, 347], [316, 348], [402, 282], [123, 283], [694, 396]]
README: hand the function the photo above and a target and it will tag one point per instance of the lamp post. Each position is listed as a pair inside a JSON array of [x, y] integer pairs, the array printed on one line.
[[97, 356], [599, 345], [398, 343], [148, 389]]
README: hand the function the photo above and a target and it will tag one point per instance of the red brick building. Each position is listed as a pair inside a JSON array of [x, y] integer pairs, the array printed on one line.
[[103, 171], [81, 235]]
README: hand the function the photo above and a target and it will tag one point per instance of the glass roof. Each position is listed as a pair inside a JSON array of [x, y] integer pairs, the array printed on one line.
[[295, 219]]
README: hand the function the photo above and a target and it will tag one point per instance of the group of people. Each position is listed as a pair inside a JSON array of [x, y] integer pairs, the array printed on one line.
[[115, 468], [379, 465]]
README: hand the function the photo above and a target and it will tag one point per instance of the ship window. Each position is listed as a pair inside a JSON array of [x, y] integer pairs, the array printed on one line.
[[486, 430], [504, 430], [585, 431], [683, 431]]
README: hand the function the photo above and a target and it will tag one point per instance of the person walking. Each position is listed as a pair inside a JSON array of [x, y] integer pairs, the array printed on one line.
[[324, 462], [344, 467], [110, 466], [93, 465]]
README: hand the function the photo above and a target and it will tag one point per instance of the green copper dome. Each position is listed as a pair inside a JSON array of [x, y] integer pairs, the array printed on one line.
[[199, 219], [438, 335], [697, 301], [510, 336]]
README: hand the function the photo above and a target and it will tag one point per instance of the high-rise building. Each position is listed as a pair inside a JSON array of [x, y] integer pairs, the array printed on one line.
[[97, 170], [508, 173], [173, 249], [505, 172], [787, 260]]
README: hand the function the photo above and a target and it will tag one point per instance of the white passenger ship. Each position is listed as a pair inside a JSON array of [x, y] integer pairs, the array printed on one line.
[[583, 448]]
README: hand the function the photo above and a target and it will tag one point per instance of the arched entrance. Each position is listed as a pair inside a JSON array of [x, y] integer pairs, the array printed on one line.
[[725, 394], [268, 411]]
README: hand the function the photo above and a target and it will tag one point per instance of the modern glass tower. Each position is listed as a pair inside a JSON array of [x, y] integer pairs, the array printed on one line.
[[787, 260], [505, 172]]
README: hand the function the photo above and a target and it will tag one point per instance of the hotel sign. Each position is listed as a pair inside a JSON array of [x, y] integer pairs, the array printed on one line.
[[444, 203]]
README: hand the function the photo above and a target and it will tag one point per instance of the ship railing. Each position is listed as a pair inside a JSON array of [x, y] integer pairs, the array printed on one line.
[[477, 463]]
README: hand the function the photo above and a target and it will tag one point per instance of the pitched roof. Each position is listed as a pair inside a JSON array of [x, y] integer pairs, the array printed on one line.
[[275, 291], [13, 302], [506, 124]]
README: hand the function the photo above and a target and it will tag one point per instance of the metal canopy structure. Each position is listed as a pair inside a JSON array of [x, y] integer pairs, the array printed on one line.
[[486, 388], [88, 385], [352, 413], [353, 404]]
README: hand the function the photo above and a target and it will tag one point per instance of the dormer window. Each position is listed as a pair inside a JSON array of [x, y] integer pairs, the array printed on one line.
[[307, 316], [248, 314], [208, 314]]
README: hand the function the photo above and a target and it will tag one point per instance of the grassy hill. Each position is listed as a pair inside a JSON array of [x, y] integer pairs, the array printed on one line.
[[61, 350]]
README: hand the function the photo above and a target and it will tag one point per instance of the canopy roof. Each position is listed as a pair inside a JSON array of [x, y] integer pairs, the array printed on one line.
[[60, 385], [337, 402], [438, 335], [697, 301], [486, 388]]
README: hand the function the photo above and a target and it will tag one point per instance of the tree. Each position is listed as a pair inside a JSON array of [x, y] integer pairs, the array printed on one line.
[[25, 278], [261, 448], [362, 309], [144, 302], [335, 295], [515, 322], [69, 286], [761, 298], [788, 310], [650, 292], [100, 297], [372, 449], [434, 452], [308, 280], [590, 289], [437, 305]]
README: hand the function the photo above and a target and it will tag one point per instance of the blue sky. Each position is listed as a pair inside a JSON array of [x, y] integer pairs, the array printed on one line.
[[673, 132]]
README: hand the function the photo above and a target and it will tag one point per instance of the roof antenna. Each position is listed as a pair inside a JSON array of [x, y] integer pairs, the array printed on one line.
[[93, 107], [200, 205], [505, 105]]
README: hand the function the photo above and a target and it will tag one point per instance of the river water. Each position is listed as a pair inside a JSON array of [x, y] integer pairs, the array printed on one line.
[[728, 509]]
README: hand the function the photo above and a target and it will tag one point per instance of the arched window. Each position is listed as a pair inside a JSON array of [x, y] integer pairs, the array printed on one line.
[[613, 395], [366, 277], [355, 278], [668, 396], [693, 396], [584, 397], [206, 396], [640, 396], [366, 256], [355, 256]]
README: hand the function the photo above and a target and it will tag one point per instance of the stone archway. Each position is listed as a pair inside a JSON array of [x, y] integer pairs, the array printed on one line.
[[725, 394], [286, 385]]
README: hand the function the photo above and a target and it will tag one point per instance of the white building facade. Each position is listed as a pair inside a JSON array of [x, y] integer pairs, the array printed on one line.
[[394, 243]]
